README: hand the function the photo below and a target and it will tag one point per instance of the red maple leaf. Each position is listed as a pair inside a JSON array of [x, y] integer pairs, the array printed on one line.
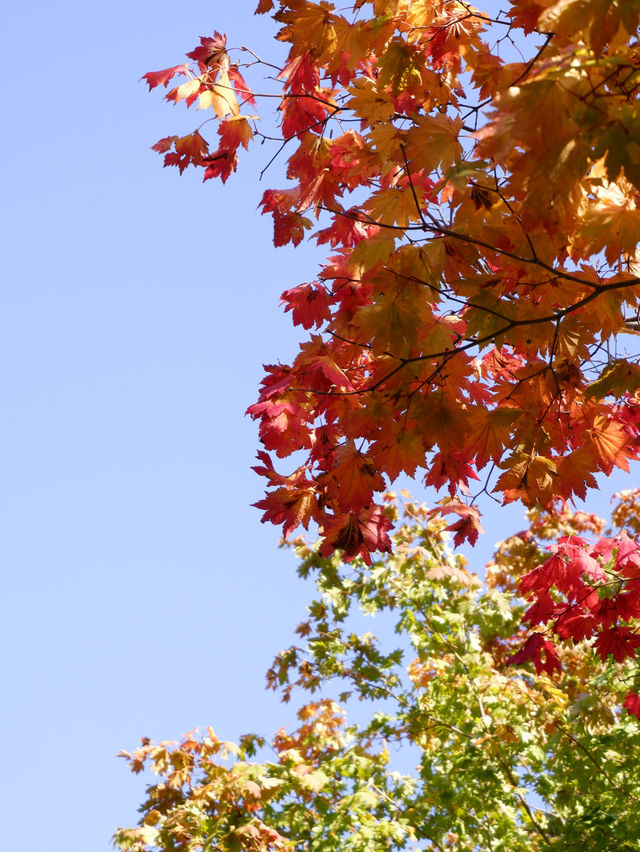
[[291, 504], [234, 131], [290, 507], [576, 550], [622, 607], [301, 113], [618, 641], [576, 623], [209, 48], [559, 571], [525, 14], [351, 479], [347, 228], [308, 303], [165, 144], [220, 164], [190, 150], [632, 704], [541, 651], [357, 534], [451, 467], [467, 527], [281, 425], [288, 225], [542, 610], [301, 74], [161, 78], [241, 85], [627, 555]]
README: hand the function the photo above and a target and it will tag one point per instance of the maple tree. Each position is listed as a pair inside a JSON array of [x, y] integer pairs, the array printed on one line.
[[482, 221], [482, 225], [475, 177], [507, 757]]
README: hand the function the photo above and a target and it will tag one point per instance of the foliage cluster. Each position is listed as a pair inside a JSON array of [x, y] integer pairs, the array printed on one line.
[[482, 219], [507, 758], [469, 325]]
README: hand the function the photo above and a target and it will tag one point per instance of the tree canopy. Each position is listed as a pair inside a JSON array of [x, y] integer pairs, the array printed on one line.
[[507, 758], [481, 219], [475, 179]]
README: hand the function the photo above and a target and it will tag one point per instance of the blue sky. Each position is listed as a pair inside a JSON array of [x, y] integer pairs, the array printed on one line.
[[142, 595]]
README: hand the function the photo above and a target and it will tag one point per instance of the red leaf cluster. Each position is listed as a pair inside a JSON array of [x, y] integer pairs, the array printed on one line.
[[584, 592], [483, 257]]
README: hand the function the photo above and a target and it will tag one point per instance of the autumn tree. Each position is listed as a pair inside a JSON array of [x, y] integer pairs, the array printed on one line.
[[474, 177], [508, 757], [481, 220]]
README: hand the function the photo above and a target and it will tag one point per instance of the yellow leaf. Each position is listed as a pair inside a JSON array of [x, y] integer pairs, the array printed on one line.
[[615, 379], [372, 250], [433, 142], [369, 103], [387, 141], [594, 22], [422, 13], [395, 206], [185, 90], [314, 781], [221, 97], [612, 223], [610, 440]]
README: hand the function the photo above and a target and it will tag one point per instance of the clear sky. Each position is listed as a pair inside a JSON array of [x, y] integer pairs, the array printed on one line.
[[142, 595]]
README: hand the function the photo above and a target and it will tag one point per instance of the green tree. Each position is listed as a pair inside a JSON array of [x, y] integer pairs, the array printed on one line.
[[505, 758]]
